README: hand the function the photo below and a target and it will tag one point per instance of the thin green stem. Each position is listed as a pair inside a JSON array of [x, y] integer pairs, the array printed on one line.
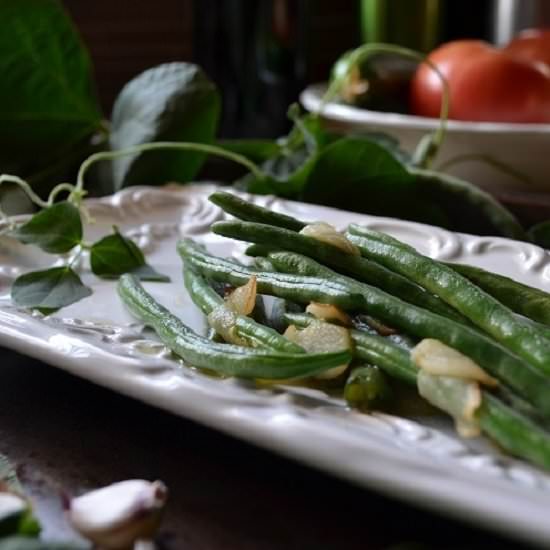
[[164, 145], [69, 187], [8, 178], [366, 50], [27, 189]]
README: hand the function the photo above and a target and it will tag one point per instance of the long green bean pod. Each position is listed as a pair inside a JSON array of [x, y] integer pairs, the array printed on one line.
[[289, 287], [226, 359], [515, 432], [520, 336], [523, 299], [247, 211], [362, 268], [255, 334], [510, 369]]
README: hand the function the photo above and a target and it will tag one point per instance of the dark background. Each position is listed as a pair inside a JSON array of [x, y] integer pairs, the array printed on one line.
[[261, 53]]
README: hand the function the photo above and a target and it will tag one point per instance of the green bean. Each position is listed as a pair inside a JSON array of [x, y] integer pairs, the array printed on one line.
[[289, 287], [244, 210], [367, 388], [526, 380], [525, 300], [263, 264], [515, 432], [365, 270], [258, 250], [226, 359], [518, 335], [530, 302], [253, 333]]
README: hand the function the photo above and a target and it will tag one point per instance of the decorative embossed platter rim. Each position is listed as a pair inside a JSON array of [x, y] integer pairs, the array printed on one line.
[[424, 464]]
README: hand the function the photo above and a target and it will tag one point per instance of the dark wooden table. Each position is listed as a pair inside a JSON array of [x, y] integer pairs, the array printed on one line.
[[67, 435]]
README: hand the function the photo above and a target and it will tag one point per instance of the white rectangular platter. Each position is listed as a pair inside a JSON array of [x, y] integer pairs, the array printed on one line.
[[422, 462]]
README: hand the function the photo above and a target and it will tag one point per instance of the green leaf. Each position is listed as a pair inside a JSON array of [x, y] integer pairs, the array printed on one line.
[[540, 234], [360, 175], [26, 543], [114, 255], [49, 290], [47, 98], [171, 102], [288, 170], [390, 143], [56, 229]]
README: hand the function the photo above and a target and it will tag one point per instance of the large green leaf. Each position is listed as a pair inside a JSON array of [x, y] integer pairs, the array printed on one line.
[[540, 234], [49, 289], [47, 100], [114, 255], [171, 102], [56, 229], [361, 175]]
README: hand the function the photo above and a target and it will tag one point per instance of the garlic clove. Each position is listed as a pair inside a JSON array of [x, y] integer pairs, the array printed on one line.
[[116, 516]]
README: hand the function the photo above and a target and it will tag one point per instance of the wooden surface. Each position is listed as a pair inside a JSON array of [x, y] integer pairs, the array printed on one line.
[[66, 435]]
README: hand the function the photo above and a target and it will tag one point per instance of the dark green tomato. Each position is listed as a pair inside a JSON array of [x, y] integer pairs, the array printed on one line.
[[380, 82], [367, 388]]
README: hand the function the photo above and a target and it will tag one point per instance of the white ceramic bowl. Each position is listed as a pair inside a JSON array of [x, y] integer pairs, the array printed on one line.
[[525, 148]]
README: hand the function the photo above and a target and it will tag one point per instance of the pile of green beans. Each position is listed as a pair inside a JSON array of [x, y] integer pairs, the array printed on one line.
[[470, 310], [500, 324]]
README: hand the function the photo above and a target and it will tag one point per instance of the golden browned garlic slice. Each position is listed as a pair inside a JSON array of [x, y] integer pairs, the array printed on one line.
[[328, 312], [116, 516], [223, 320], [459, 397], [243, 299], [327, 233], [434, 357], [320, 337]]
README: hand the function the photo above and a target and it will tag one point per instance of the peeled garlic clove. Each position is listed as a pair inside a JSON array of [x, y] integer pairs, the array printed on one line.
[[438, 359], [327, 233], [243, 299], [328, 312], [321, 337], [116, 516]]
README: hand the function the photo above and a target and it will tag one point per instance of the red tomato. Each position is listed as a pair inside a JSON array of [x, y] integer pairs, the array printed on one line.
[[485, 85], [531, 45]]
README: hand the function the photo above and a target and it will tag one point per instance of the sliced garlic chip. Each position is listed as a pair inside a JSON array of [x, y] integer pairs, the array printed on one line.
[[243, 299], [224, 320], [327, 233], [458, 397], [320, 337], [328, 312], [116, 516], [439, 359]]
